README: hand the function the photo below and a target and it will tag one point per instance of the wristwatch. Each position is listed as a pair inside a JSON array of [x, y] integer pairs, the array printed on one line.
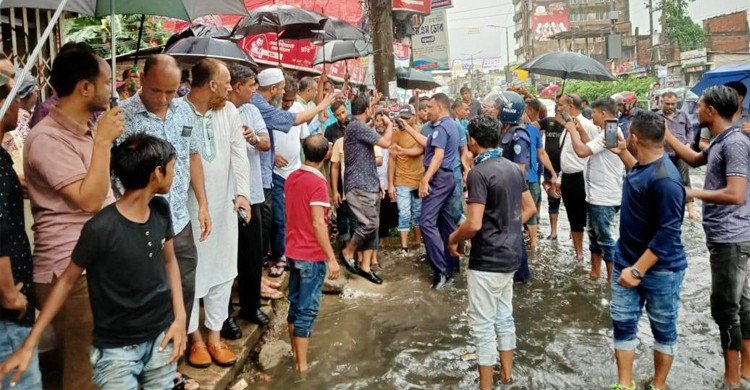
[[635, 273]]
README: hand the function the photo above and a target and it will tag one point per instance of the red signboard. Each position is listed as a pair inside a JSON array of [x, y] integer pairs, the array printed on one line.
[[401, 51], [416, 6], [548, 18]]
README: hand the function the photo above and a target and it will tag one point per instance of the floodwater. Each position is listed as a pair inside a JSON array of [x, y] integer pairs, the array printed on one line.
[[403, 335]]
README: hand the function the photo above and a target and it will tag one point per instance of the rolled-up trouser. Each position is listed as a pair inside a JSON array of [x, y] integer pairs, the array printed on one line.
[[491, 314], [346, 223], [187, 260], [409, 207], [602, 230], [437, 223], [457, 197], [684, 169], [573, 190], [278, 227], [305, 287], [215, 308], [366, 207], [536, 194], [74, 328], [730, 292], [660, 292], [250, 262]]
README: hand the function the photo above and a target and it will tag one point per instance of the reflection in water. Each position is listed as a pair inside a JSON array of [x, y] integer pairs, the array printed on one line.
[[403, 335]]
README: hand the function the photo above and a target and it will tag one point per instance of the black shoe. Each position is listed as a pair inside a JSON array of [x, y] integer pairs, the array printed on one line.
[[230, 330], [440, 281], [350, 265], [371, 276], [258, 317]]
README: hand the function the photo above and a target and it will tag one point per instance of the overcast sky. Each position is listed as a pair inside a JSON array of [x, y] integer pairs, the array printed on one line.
[[470, 34]]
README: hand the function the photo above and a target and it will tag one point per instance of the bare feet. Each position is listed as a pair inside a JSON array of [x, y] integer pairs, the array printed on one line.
[[594, 275], [269, 283], [270, 293]]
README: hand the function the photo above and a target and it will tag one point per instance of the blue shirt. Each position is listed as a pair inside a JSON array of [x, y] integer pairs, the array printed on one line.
[[251, 116], [515, 145], [535, 142], [624, 121], [728, 155], [653, 204], [445, 135], [178, 128], [463, 139], [275, 119]]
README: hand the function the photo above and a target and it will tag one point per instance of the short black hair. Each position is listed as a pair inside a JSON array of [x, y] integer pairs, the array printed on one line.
[[137, 157], [126, 73], [669, 94], [336, 104], [722, 98], [464, 89], [584, 100], [241, 73], [649, 126], [205, 71], [605, 104], [360, 104], [485, 130], [315, 148], [456, 104], [738, 86], [442, 99], [71, 67], [534, 104], [72, 45], [291, 86]]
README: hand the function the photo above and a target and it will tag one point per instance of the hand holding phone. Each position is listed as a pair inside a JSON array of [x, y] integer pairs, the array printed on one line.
[[610, 133]]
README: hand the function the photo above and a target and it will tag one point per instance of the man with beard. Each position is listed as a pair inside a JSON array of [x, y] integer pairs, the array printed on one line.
[[267, 99], [66, 164], [726, 217], [220, 129], [679, 125]]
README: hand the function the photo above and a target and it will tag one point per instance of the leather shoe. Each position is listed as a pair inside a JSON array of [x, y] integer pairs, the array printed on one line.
[[371, 276], [259, 317], [440, 281], [230, 330], [221, 354], [351, 265], [199, 356]]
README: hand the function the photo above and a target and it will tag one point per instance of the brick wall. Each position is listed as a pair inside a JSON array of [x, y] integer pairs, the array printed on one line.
[[728, 33]]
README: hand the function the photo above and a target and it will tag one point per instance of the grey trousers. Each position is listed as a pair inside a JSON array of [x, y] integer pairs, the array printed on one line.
[[187, 260], [366, 207]]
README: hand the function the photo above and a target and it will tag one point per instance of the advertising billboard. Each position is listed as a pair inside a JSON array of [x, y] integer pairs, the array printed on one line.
[[549, 17], [416, 6], [430, 43]]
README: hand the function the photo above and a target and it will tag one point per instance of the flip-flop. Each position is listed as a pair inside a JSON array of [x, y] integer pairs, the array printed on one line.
[[182, 382]]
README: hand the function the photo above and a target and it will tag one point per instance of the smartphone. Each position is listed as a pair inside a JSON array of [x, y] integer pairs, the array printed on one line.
[[113, 102], [242, 217], [610, 133], [566, 116]]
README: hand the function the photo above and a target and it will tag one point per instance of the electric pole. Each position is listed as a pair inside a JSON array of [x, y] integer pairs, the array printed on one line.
[[651, 36], [381, 21]]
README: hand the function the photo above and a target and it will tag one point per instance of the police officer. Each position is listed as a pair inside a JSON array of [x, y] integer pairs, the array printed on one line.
[[515, 145]]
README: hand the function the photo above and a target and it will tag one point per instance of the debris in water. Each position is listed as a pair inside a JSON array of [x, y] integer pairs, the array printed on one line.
[[469, 357]]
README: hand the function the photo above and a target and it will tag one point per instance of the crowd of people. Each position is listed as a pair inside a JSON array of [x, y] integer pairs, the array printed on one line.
[[146, 211]]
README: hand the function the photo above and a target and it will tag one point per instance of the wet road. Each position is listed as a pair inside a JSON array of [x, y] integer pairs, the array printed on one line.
[[403, 335]]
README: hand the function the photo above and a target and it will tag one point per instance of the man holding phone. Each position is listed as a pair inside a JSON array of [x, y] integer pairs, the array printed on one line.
[[603, 175]]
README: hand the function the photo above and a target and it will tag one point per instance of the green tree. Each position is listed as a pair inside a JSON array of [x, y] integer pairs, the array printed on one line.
[[678, 27], [96, 32], [593, 90]]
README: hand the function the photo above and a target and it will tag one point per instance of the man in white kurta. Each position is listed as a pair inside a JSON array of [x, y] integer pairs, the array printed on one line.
[[225, 163]]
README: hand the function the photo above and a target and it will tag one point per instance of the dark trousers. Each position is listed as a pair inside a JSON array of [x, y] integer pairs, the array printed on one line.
[[573, 188], [267, 219], [730, 292], [250, 261], [523, 273], [187, 260], [437, 223]]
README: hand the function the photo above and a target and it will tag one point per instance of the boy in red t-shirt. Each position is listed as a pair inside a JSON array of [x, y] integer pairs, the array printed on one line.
[[308, 247]]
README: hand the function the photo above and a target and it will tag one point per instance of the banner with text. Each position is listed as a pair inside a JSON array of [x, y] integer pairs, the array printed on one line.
[[430, 43], [416, 6], [548, 18]]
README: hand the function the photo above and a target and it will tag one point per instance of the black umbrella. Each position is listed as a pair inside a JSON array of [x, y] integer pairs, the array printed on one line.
[[286, 21], [415, 79], [190, 50], [336, 51], [336, 29], [568, 65], [197, 30]]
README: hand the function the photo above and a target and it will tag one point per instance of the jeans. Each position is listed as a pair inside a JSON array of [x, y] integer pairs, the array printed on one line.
[[660, 291], [126, 368], [278, 226], [409, 207], [305, 288], [346, 223], [601, 230], [730, 292], [536, 194], [491, 314], [456, 200], [12, 337]]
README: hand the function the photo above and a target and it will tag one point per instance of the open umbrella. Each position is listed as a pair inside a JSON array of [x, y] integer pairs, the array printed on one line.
[[197, 30], [724, 74], [415, 79], [335, 29], [336, 51], [568, 65], [190, 50], [178, 9], [286, 21]]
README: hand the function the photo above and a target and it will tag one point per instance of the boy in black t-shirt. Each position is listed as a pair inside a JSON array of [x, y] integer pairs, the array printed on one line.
[[134, 281]]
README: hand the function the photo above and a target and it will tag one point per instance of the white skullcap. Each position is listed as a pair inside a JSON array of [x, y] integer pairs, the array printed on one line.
[[270, 77]]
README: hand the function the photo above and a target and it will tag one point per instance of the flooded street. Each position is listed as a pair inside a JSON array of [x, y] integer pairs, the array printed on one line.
[[403, 335]]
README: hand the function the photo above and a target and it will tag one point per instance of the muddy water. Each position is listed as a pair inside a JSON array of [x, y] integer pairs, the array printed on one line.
[[403, 335]]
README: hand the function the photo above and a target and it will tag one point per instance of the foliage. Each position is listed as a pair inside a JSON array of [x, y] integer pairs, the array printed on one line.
[[96, 32], [593, 90], [679, 28]]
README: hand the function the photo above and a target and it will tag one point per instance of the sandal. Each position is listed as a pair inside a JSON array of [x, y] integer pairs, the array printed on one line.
[[184, 382], [276, 271]]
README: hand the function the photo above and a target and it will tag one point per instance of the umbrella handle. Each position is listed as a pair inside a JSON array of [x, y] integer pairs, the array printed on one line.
[[114, 49]]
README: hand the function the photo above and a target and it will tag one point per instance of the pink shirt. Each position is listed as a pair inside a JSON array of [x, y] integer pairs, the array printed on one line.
[[57, 153], [304, 188]]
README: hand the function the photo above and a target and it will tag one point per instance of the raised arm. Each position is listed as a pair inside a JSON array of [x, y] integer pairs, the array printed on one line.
[[693, 158], [307, 116]]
